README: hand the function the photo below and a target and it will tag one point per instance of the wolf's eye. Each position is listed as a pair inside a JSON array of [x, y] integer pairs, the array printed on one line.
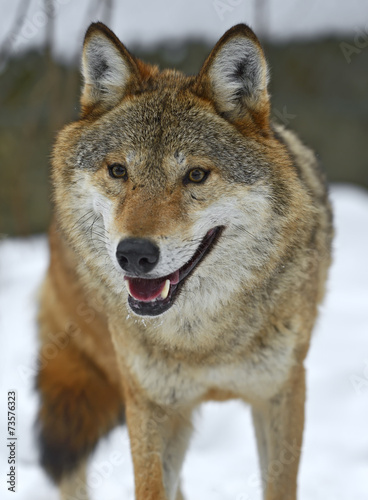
[[118, 171], [196, 175]]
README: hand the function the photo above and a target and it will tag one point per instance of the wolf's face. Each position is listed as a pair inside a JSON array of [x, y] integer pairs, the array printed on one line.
[[173, 188]]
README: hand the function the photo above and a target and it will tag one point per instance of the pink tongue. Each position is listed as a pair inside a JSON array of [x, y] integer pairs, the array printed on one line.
[[147, 290]]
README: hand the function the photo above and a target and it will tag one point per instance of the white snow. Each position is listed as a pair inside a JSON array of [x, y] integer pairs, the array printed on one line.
[[149, 21], [221, 463]]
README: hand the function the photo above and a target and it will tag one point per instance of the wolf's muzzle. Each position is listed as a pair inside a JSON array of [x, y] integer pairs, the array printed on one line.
[[137, 256]]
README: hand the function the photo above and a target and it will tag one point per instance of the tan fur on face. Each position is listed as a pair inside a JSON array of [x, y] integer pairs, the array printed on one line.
[[241, 325]]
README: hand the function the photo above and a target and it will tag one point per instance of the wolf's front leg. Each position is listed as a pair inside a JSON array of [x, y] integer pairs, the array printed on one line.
[[158, 438], [279, 426]]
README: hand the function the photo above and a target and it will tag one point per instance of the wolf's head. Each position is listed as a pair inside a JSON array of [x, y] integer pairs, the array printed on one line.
[[174, 187]]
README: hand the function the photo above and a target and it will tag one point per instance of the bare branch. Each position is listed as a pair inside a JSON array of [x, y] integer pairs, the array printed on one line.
[[20, 18], [108, 8], [261, 17], [49, 29]]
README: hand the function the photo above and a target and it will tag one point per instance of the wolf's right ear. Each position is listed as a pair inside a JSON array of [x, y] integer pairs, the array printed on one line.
[[108, 69]]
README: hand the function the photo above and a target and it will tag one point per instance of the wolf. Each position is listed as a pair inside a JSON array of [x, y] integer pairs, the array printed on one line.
[[189, 252]]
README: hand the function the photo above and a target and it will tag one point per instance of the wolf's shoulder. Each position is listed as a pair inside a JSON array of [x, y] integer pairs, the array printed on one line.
[[305, 161]]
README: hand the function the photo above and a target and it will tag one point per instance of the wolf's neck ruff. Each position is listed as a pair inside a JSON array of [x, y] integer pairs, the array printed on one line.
[[151, 297]]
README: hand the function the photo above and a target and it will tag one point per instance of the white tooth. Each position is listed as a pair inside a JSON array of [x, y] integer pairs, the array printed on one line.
[[165, 291], [127, 286]]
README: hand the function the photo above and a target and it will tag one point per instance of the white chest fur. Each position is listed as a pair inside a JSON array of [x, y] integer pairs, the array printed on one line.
[[171, 382]]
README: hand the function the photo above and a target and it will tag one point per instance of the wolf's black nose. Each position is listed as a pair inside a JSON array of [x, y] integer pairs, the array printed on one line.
[[137, 255]]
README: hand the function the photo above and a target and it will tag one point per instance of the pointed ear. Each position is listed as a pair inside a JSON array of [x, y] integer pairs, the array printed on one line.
[[108, 69], [235, 76]]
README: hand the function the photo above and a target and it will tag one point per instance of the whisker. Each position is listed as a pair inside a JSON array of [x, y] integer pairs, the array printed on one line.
[[80, 221]]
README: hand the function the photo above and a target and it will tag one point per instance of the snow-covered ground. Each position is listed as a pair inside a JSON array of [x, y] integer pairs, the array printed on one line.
[[222, 462]]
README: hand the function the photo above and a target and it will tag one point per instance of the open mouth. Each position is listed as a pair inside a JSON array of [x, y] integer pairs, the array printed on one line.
[[152, 297]]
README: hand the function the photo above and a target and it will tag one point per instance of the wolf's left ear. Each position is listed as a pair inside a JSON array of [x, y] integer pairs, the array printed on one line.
[[108, 69], [235, 76]]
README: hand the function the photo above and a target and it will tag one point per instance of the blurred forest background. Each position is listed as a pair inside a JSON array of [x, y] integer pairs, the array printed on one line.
[[318, 86]]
